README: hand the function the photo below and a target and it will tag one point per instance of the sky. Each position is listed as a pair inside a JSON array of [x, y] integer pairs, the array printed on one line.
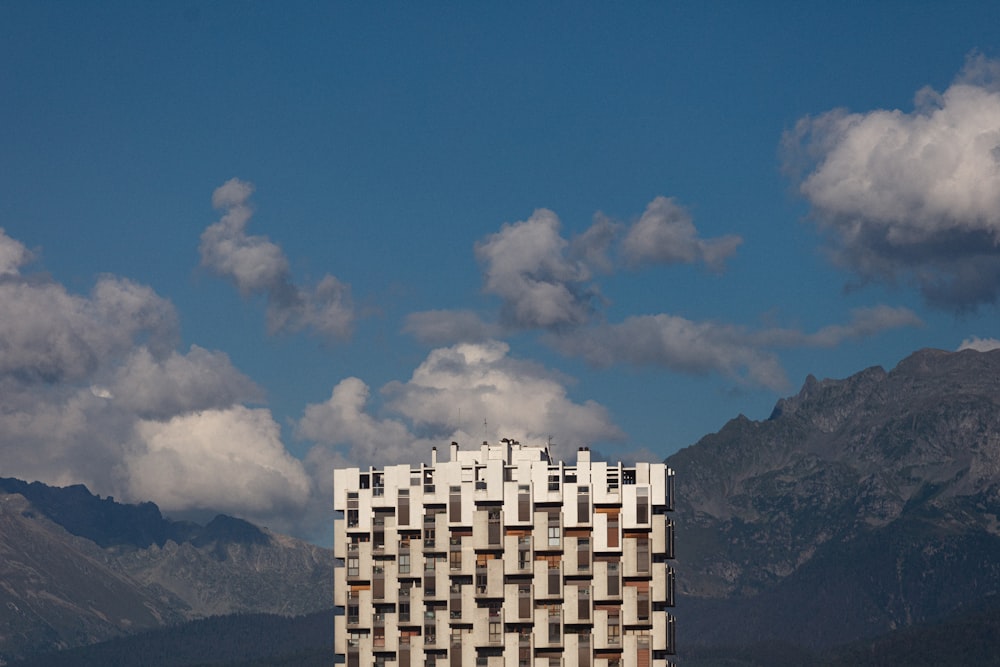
[[245, 243]]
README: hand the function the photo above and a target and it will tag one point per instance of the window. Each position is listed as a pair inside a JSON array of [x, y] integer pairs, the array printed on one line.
[[378, 530], [642, 554], [353, 607], [523, 552], [429, 531], [352, 509], [378, 485], [555, 580], [430, 627], [613, 579], [496, 634], [555, 536], [583, 553], [352, 566], [642, 505], [612, 478], [614, 629], [523, 502], [455, 504], [555, 629], [403, 513], [553, 481], [404, 563], [455, 560], [583, 504], [583, 603], [613, 525], [493, 527]]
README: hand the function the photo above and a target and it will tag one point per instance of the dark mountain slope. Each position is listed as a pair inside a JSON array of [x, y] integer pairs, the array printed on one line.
[[862, 505], [223, 640], [76, 569]]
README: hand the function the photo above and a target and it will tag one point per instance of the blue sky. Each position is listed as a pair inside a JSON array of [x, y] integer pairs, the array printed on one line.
[[246, 242]]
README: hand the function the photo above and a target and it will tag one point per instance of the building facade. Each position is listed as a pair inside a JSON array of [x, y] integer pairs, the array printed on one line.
[[503, 557]]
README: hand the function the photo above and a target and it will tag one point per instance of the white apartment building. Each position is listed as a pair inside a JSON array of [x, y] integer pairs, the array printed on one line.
[[503, 557]]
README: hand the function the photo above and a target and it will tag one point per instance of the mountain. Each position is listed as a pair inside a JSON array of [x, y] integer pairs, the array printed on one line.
[[236, 640], [859, 507], [76, 569]]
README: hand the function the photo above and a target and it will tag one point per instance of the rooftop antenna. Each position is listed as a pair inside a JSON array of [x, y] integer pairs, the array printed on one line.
[[549, 447], [484, 429]]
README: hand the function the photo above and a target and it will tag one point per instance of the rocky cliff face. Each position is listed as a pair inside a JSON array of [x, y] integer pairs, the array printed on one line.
[[76, 569], [859, 506]]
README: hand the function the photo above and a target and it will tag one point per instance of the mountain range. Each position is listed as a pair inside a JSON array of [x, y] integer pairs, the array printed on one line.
[[858, 525], [76, 569], [859, 507]]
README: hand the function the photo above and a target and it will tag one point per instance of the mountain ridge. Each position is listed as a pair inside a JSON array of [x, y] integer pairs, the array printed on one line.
[[76, 569], [859, 506]]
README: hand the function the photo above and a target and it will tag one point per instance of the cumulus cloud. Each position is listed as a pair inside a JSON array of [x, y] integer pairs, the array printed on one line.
[[979, 344], [665, 234], [94, 391], [159, 388], [258, 267], [230, 460], [52, 335], [13, 255], [546, 281], [450, 396], [526, 265], [915, 195]]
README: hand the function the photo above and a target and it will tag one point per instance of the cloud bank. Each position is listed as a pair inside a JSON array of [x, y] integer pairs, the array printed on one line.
[[912, 196], [467, 393], [258, 267], [94, 391], [548, 282]]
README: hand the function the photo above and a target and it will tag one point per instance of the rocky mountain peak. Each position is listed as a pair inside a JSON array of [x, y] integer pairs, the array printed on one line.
[[854, 491]]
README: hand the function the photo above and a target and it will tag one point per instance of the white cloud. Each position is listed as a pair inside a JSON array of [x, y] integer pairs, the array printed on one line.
[[448, 397], [93, 391], [979, 344], [176, 384], [913, 195], [459, 387], [342, 421], [666, 234], [52, 335], [527, 267], [546, 281], [13, 255], [230, 460], [258, 266]]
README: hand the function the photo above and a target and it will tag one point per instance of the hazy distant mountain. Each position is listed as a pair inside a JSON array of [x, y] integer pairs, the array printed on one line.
[[76, 569], [860, 506]]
